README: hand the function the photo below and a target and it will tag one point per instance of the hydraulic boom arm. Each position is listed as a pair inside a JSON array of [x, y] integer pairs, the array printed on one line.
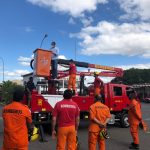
[[112, 71]]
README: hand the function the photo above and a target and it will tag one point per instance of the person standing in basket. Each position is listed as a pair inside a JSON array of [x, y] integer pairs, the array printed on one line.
[[55, 53]]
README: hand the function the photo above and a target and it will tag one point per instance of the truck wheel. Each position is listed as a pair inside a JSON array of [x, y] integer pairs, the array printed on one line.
[[124, 121]]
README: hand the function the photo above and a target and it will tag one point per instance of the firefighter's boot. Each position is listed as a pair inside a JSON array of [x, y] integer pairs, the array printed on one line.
[[134, 146], [73, 92]]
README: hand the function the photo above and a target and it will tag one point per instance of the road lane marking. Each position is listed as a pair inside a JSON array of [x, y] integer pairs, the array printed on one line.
[[148, 132], [147, 119]]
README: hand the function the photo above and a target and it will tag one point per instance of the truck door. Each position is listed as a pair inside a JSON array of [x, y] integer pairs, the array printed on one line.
[[117, 98]]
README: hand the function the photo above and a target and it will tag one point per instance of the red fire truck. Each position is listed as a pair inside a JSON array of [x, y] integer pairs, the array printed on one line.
[[42, 104]]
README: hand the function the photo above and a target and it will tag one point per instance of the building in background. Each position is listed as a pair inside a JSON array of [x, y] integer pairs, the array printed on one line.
[[42, 84]]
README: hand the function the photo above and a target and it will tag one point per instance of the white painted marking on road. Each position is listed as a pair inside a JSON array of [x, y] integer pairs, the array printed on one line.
[[148, 132], [147, 119]]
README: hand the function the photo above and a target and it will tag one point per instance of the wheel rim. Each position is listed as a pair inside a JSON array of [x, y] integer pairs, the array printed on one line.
[[126, 121]]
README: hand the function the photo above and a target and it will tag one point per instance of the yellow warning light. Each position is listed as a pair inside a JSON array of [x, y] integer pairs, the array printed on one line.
[[111, 109], [43, 109], [40, 102]]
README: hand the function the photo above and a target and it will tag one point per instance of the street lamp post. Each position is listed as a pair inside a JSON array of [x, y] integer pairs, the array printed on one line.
[[3, 67]]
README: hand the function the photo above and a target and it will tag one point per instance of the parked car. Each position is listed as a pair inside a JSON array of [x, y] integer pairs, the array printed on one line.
[[146, 100]]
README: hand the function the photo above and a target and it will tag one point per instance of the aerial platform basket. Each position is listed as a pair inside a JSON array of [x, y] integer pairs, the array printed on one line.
[[42, 62]]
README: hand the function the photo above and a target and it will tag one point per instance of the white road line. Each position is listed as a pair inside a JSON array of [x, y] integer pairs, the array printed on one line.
[[147, 119]]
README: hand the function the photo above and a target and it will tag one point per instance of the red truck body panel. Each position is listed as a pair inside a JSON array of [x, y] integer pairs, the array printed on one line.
[[115, 98], [84, 102], [39, 104]]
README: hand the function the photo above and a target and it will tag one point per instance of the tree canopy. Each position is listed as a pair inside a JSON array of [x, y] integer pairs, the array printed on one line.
[[134, 76], [7, 89]]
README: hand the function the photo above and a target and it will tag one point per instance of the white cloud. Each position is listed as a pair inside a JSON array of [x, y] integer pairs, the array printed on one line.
[[74, 7], [112, 38], [28, 29], [25, 61], [137, 66], [135, 9], [16, 73], [62, 57], [21, 58], [13, 75], [87, 21], [71, 21]]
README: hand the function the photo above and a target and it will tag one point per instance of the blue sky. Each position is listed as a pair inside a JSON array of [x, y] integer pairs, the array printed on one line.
[[106, 32]]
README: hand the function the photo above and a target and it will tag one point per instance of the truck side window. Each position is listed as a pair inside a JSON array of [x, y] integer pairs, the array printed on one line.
[[117, 91], [60, 83]]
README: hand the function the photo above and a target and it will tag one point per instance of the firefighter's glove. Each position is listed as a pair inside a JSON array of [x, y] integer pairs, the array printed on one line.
[[143, 126]]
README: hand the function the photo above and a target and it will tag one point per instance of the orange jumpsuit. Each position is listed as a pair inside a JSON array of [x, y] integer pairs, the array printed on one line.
[[72, 77], [100, 112], [15, 117], [97, 85], [134, 118]]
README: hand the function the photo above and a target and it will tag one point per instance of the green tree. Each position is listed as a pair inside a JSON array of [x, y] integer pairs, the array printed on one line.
[[7, 89], [134, 76]]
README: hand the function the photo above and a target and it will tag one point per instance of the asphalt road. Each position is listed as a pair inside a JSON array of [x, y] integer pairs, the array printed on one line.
[[119, 137]]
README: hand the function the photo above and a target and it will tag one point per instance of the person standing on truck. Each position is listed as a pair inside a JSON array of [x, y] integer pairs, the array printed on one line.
[[17, 120], [98, 84], [72, 76], [99, 117], [30, 84], [134, 119], [66, 114], [29, 87], [55, 53]]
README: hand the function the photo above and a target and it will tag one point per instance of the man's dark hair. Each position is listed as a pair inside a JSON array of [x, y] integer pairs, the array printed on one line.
[[31, 78], [67, 94], [71, 60], [131, 93], [53, 43], [18, 95], [98, 98]]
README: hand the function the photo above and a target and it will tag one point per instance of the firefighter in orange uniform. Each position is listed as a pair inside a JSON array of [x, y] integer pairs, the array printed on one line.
[[98, 84], [99, 117], [134, 118], [66, 114], [72, 76], [16, 118]]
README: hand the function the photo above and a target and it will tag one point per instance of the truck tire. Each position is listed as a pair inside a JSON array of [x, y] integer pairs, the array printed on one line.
[[124, 120]]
